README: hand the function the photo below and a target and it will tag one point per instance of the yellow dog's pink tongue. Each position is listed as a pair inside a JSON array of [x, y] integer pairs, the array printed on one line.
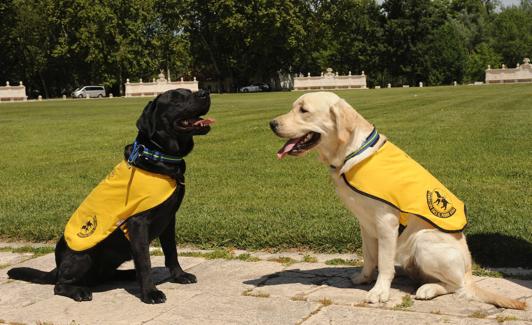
[[289, 145]]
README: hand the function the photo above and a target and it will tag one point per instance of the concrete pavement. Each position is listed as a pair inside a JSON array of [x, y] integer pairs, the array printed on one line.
[[231, 291]]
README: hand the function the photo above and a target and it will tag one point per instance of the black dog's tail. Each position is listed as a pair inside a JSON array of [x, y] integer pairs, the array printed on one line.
[[33, 275]]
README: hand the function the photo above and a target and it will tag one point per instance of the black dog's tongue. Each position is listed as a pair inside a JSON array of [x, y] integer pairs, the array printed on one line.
[[204, 122]]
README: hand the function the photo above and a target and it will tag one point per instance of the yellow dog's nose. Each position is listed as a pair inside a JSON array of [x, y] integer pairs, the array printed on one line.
[[274, 125]]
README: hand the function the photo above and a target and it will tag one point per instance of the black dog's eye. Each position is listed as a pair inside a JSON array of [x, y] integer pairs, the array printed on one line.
[[303, 110]]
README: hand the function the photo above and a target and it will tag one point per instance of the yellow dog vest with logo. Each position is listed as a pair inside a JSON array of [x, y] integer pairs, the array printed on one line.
[[126, 191], [390, 175]]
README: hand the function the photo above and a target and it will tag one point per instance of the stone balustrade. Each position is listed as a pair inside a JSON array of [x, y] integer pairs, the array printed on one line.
[[13, 93], [521, 73], [330, 80], [157, 86]]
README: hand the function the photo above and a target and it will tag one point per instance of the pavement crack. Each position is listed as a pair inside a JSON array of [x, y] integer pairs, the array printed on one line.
[[311, 291], [312, 313], [168, 310]]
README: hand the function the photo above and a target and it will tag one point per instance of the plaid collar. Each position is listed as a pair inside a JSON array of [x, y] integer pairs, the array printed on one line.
[[370, 141], [140, 150]]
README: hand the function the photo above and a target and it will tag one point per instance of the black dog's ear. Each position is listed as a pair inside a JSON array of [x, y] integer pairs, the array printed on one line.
[[146, 121]]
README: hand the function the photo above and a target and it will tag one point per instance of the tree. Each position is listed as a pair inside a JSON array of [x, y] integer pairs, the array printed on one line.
[[54, 46], [237, 42], [349, 38], [511, 31], [172, 43], [8, 54], [407, 27], [26, 42], [478, 60], [445, 54]]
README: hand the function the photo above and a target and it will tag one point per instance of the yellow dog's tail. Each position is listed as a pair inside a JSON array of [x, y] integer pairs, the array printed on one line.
[[491, 297]]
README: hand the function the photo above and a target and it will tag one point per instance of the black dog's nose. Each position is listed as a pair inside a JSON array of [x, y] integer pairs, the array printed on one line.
[[273, 125], [202, 93]]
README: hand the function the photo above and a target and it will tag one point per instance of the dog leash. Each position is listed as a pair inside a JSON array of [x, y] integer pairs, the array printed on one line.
[[140, 150]]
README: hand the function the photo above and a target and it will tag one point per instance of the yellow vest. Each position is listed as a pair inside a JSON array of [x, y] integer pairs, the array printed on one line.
[[391, 176], [125, 192]]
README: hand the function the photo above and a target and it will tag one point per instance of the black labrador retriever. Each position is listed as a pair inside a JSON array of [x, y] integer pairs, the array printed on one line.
[[165, 135]]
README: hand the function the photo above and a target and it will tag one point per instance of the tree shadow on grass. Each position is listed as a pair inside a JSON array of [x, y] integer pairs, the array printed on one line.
[[498, 250]]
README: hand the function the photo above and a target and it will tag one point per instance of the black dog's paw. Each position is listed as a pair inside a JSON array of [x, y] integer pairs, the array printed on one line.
[[184, 278], [74, 292], [154, 297], [82, 294]]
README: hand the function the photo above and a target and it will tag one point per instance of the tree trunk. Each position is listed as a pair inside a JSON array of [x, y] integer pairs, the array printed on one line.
[[43, 83]]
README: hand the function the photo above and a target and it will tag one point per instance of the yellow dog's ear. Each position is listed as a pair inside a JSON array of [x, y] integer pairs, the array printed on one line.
[[345, 119]]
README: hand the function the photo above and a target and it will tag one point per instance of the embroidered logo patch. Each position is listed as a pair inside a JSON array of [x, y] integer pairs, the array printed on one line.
[[439, 205], [88, 227]]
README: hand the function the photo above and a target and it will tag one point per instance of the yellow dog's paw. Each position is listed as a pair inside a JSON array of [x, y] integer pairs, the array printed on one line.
[[361, 278], [378, 294]]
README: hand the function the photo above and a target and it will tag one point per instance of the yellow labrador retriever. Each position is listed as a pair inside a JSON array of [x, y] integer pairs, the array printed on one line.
[[389, 193]]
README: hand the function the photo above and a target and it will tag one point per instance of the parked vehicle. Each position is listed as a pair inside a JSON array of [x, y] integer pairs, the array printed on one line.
[[255, 88], [91, 91]]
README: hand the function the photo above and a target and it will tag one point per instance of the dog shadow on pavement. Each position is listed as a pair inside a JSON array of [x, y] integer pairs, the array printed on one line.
[[159, 275], [338, 277]]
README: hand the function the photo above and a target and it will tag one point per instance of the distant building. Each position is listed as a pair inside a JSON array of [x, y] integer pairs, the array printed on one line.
[[521, 73], [330, 80], [158, 86]]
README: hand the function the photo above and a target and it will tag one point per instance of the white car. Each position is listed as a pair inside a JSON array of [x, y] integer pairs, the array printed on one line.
[[254, 88], [90, 91]]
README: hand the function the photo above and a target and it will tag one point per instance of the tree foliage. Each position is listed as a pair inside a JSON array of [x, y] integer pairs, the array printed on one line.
[[54, 46]]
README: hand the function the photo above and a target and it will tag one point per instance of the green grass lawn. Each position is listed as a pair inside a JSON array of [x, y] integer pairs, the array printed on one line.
[[476, 140]]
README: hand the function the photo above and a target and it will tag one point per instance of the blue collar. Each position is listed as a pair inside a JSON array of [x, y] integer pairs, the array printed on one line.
[[370, 141], [140, 150]]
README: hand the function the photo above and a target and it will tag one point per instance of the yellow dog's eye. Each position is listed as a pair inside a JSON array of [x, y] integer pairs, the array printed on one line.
[[302, 110]]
